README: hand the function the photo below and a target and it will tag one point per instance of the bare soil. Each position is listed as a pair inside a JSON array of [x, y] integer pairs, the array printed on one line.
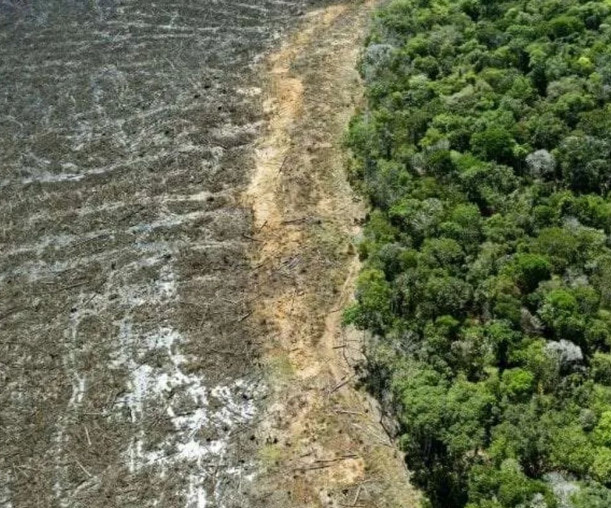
[[322, 442]]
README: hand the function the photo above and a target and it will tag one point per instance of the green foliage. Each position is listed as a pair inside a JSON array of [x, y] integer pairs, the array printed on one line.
[[493, 143], [485, 152], [374, 297], [507, 486], [517, 383], [601, 368], [530, 270], [563, 26], [601, 468], [592, 496], [602, 432], [571, 449]]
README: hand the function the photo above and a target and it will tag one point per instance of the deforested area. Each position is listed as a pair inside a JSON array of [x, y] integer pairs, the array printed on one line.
[[323, 444], [485, 152], [129, 371]]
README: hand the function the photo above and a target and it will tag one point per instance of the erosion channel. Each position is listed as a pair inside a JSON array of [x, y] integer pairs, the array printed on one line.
[[175, 252]]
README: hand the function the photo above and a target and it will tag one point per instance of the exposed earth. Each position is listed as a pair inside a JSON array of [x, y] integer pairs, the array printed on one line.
[[325, 444], [175, 252]]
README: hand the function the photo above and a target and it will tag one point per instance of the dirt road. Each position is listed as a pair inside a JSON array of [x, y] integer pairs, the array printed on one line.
[[321, 440]]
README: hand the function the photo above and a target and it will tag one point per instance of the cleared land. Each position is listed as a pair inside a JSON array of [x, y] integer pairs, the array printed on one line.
[[169, 327], [322, 441], [128, 367]]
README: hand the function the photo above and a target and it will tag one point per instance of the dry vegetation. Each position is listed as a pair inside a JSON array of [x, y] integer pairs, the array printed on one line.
[[137, 289], [127, 366]]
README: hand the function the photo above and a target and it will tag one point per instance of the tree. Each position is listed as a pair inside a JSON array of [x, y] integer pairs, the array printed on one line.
[[373, 307], [494, 144], [485, 151], [517, 383], [602, 431], [563, 26], [601, 368], [508, 486], [584, 163], [541, 164], [442, 253], [601, 467], [558, 245], [530, 270], [571, 449], [444, 294], [592, 495]]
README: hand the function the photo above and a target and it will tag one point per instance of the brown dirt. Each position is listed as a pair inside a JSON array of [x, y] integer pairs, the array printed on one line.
[[322, 443]]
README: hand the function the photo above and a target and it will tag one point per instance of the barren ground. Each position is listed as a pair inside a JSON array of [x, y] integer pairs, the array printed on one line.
[[169, 332], [322, 442], [128, 367]]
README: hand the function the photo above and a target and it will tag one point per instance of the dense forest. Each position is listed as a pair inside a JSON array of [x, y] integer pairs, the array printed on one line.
[[485, 152]]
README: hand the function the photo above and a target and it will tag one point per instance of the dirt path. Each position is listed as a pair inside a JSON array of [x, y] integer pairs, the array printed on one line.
[[321, 441]]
